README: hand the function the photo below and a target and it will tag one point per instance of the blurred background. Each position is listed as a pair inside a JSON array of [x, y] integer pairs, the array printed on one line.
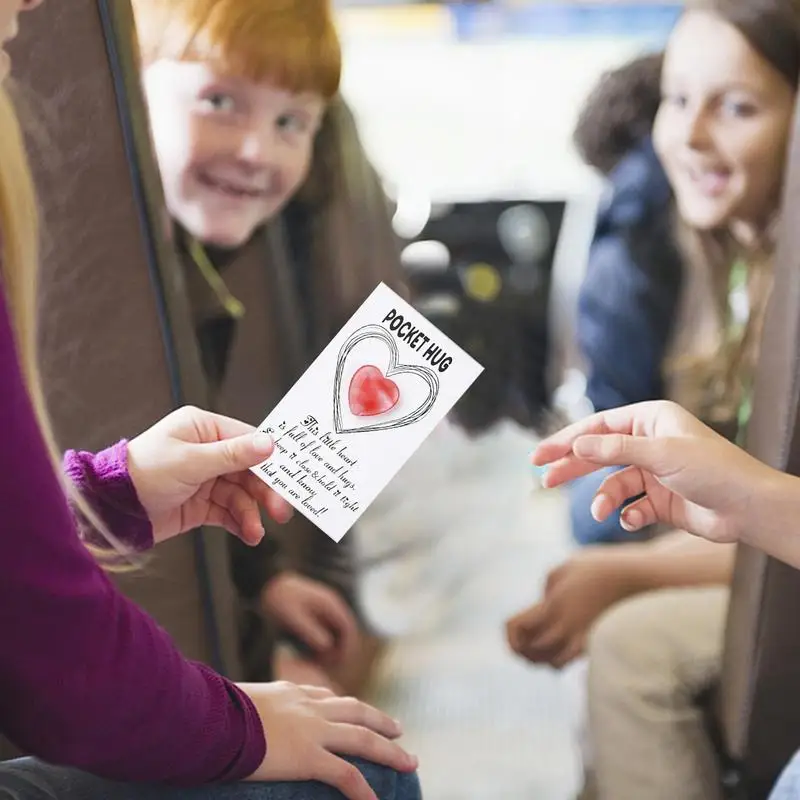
[[478, 121], [467, 110]]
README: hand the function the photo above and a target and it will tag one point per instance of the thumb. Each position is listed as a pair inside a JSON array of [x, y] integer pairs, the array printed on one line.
[[214, 459], [620, 450]]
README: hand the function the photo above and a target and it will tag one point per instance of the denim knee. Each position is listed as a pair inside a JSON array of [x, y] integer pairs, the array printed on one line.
[[388, 784], [788, 785], [29, 779]]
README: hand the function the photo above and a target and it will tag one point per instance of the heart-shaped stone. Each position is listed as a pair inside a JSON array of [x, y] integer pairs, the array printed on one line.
[[415, 414], [371, 393]]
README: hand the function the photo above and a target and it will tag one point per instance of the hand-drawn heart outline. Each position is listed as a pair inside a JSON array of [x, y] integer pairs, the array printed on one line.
[[395, 368]]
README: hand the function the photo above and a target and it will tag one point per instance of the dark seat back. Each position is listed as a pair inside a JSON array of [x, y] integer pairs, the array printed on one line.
[[758, 712], [118, 347]]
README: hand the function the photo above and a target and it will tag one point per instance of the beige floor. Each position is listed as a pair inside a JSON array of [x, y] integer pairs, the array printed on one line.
[[484, 724]]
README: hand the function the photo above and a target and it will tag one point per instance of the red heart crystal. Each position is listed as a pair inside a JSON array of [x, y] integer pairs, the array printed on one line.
[[371, 393]]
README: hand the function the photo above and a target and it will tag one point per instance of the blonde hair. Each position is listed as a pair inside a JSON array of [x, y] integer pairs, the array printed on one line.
[[714, 381], [290, 43], [19, 235], [717, 383]]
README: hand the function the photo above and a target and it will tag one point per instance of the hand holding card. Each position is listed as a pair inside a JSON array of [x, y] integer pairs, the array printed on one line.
[[361, 410]]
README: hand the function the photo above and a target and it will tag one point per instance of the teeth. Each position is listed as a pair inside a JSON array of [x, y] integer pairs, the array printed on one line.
[[229, 188], [709, 173], [712, 181]]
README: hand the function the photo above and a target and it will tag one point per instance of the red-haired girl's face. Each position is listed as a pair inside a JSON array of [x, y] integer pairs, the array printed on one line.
[[231, 152]]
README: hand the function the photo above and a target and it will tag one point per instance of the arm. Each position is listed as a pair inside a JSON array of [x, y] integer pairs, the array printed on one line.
[[86, 678], [771, 512], [676, 559], [765, 522], [577, 593]]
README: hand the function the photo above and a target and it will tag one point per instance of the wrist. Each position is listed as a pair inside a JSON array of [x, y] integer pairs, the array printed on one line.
[[769, 514], [635, 569], [622, 567], [667, 561]]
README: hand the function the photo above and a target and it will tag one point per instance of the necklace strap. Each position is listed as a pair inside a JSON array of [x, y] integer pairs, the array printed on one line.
[[231, 304]]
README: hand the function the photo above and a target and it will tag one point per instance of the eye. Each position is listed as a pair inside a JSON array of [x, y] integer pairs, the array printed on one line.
[[674, 99], [292, 123], [219, 102], [738, 107]]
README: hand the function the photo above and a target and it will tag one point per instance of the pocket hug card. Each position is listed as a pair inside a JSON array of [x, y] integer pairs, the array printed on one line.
[[361, 409]]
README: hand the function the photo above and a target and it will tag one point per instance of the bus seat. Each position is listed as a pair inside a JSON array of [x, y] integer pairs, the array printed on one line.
[[758, 718], [118, 346]]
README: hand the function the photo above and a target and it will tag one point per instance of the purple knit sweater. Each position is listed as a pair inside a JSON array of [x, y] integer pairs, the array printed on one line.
[[87, 678]]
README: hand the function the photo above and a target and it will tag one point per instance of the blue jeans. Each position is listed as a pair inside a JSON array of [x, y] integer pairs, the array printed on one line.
[[28, 779], [788, 785]]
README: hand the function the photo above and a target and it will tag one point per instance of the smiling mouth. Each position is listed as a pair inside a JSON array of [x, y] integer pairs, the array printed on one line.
[[231, 189], [711, 182]]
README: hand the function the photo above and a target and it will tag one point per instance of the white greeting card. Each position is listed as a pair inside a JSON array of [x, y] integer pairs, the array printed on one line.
[[361, 409]]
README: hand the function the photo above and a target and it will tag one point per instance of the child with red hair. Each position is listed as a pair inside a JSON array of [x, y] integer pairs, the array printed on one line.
[[252, 139], [89, 684]]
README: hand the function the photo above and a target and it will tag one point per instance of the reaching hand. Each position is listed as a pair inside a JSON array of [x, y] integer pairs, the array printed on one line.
[[192, 469], [691, 477]]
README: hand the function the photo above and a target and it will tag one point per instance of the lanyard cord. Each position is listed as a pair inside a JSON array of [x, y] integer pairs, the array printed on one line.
[[232, 305]]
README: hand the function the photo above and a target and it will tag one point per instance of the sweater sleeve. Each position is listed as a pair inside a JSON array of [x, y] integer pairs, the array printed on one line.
[[87, 679], [104, 481]]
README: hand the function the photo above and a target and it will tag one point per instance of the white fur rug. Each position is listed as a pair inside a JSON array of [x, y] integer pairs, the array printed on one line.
[[484, 724]]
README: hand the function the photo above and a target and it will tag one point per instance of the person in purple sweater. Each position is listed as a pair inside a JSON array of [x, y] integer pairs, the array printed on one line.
[[90, 685]]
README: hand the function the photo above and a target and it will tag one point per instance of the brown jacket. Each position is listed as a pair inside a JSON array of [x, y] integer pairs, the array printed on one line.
[[339, 226]]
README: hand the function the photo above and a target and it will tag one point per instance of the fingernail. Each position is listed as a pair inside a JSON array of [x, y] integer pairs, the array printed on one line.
[[631, 520], [262, 442], [595, 508], [541, 473]]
